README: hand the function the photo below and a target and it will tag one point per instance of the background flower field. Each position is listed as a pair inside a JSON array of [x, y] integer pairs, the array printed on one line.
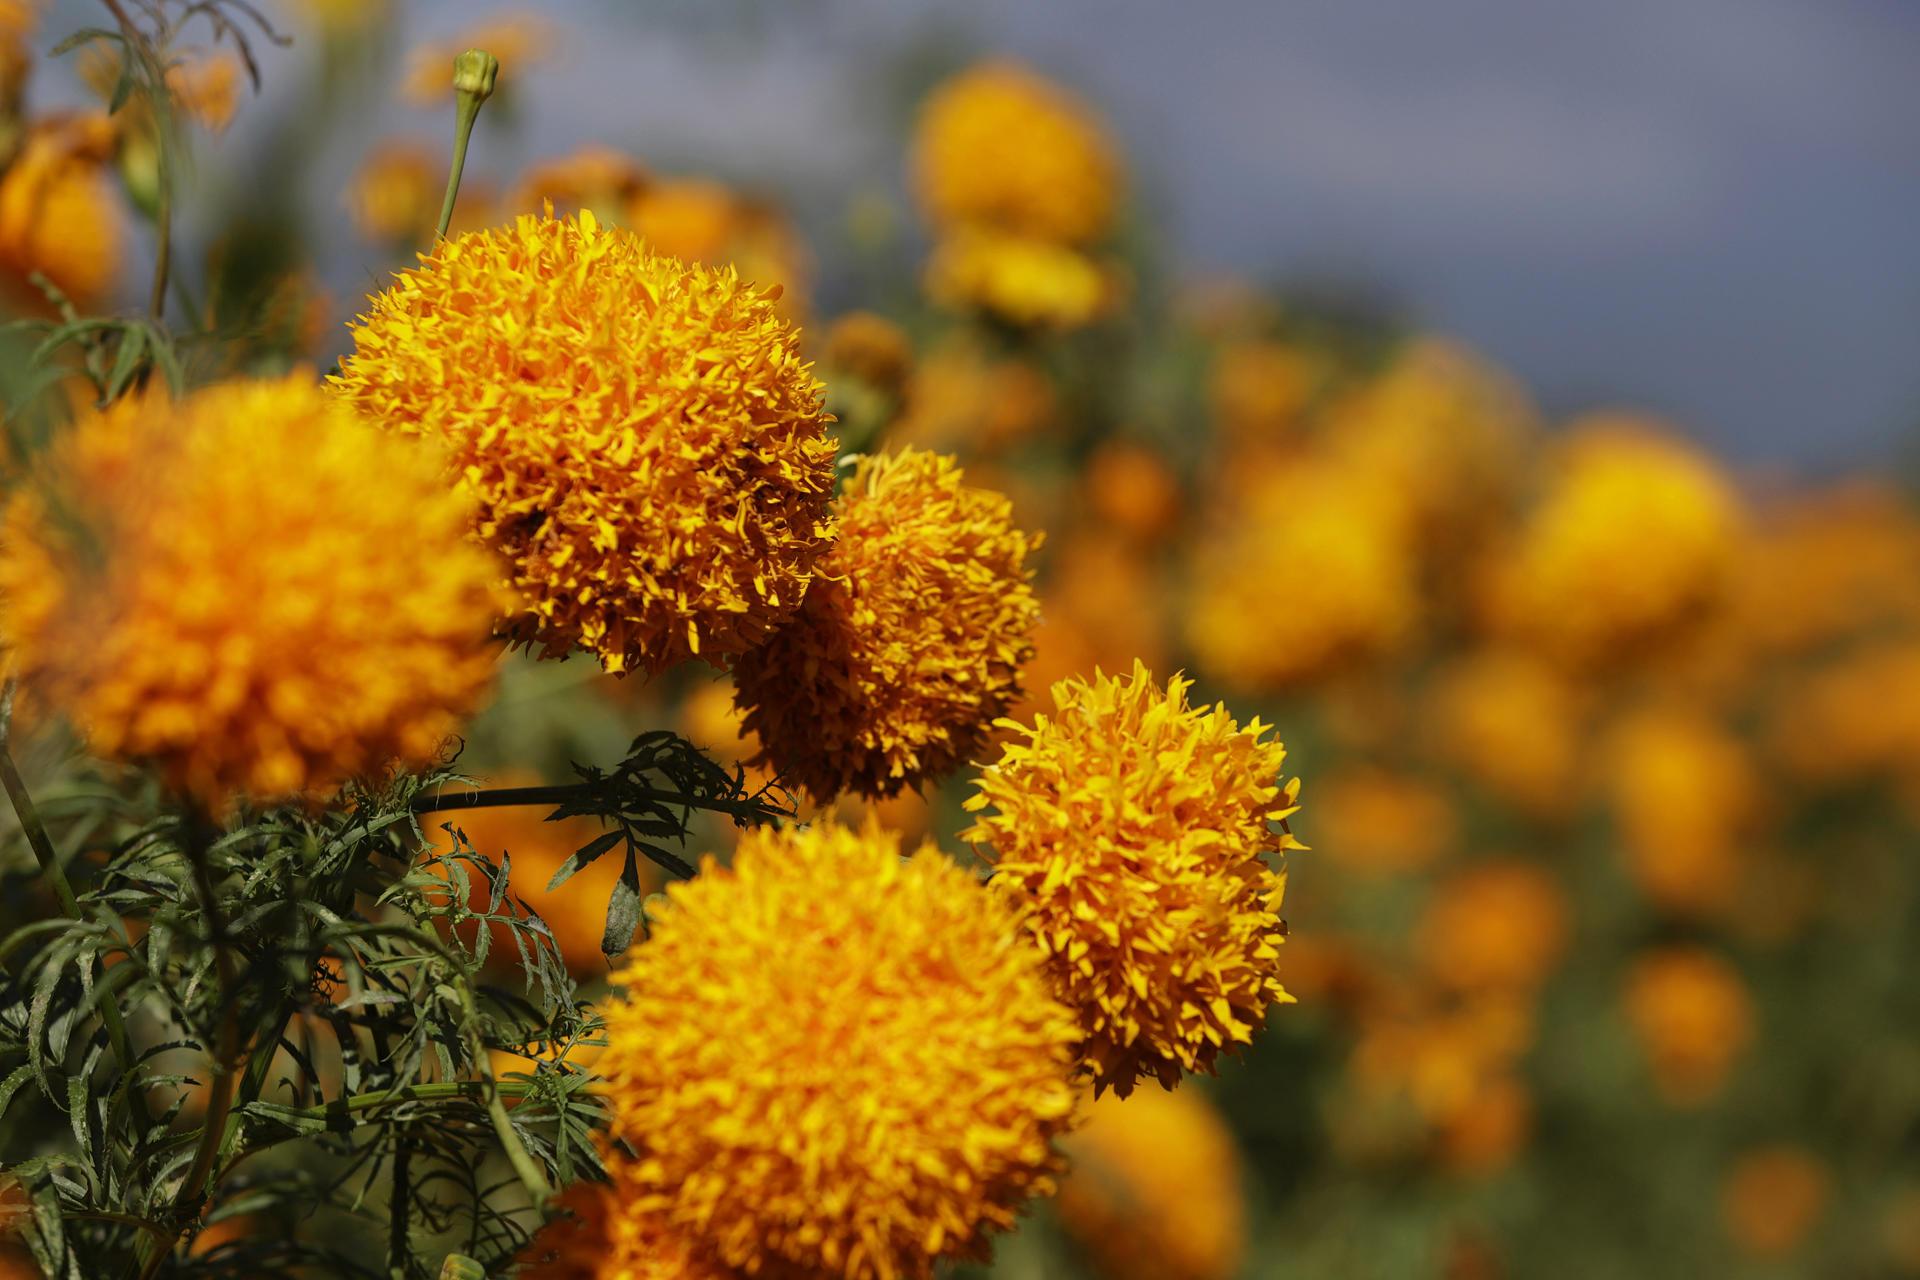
[[1599, 949]]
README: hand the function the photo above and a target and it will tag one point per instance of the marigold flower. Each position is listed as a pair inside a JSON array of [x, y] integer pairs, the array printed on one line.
[[1381, 822], [1854, 719], [1773, 1197], [1685, 794], [1135, 829], [1019, 279], [1154, 1190], [699, 220], [1693, 1017], [1132, 487], [594, 1234], [1309, 577], [1258, 388], [868, 346], [59, 214], [346, 624], [908, 645], [1511, 723], [1496, 926], [647, 446], [1829, 564], [1634, 538], [999, 146], [598, 178], [206, 87], [961, 398], [395, 196], [836, 1061]]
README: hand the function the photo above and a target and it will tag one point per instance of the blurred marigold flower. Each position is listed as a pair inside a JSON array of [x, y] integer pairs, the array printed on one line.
[[1381, 822], [1693, 1017], [1132, 487], [519, 40], [999, 146], [1019, 279], [1154, 1189], [1854, 719], [1685, 796], [910, 641], [963, 400], [1772, 1198], [836, 1061], [1827, 565], [1511, 723], [394, 198], [205, 86], [594, 1234], [247, 648], [1494, 926], [1259, 388], [1135, 831], [1309, 577], [59, 214], [602, 179], [647, 446], [868, 346], [698, 220], [1634, 538]]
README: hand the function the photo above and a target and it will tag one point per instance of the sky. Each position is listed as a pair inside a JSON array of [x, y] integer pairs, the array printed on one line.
[[1704, 208]]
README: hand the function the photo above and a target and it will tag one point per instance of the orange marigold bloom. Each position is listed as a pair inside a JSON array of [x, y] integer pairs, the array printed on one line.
[[1693, 1017], [1020, 279], [598, 178], [1381, 822], [1685, 795], [1512, 724], [247, 647], [1135, 830], [395, 196], [1258, 388], [1635, 537], [1496, 926], [836, 1061], [648, 447], [1772, 1198], [206, 87], [868, 346], [594, 1234], [910, 643], [999, 146], [1133, 488], [59, 213], [1155, 1189]]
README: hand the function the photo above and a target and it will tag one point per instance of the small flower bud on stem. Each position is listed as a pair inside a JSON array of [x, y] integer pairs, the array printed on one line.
[[474, 75]]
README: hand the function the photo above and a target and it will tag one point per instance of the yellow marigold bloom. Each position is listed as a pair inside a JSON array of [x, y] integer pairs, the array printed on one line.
[[1154, 1188], [908, 645], [699, 220], [395, 196], [1132, 487], [1685, 796], [1311, 576], [1829, 564], [999, 146], [269, 650], [59, 214], [1773, 1197], [594, 1234], [1019, 279], [960, 398], [836, 1061], [1693, 1018], [647, 446], [1512, 724], [1493, 927], [1855, 719], [519, 40], [206, 87], [1135, 830], [868, 346], [1381, 822], [1634, 538], [1116, 595]]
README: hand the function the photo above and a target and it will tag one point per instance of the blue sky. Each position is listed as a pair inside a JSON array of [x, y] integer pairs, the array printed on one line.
[[1709, 208]]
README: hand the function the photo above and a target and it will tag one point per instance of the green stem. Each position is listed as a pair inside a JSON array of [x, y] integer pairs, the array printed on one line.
[[35, 831], [187, 1201], [466, 113], [561, 793]]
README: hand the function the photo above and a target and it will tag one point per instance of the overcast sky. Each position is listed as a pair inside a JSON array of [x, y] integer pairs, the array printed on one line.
[[1706, 207]]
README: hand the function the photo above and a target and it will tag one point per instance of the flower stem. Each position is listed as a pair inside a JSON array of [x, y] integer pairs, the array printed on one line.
[[474, 73], [561, 793]]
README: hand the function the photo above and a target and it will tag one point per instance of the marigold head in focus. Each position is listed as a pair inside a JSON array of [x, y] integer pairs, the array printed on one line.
[[647, 446], [998, 146], [1135, 831], [835, 1060], [212, 587], [1154, 1190], [1693, 1017], [910, 642], [1634, 539]]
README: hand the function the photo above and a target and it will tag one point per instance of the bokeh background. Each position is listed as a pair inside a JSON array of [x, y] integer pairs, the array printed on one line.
[[1508, 402]]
